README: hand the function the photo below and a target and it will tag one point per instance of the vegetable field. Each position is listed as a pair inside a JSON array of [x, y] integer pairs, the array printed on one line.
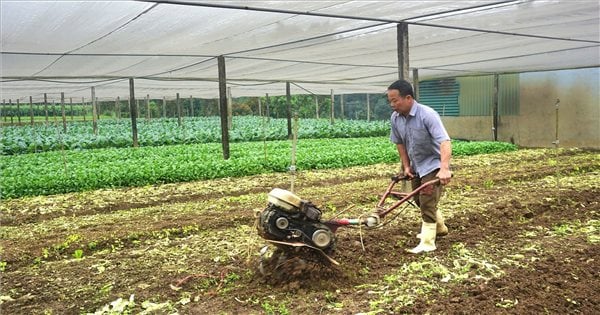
[[166, 131], [517, 244]]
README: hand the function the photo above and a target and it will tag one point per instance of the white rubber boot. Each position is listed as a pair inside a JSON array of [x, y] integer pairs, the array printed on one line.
[[441, 229], [427, 237]]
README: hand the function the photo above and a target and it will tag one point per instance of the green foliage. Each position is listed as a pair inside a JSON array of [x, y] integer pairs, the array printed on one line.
[[45, 173], [155, 132]]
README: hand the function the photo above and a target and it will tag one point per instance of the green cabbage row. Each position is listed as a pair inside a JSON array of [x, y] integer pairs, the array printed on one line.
[[166, 131], [45, 173]]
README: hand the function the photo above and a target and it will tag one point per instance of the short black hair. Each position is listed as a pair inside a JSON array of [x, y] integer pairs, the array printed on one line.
[[403, 86]]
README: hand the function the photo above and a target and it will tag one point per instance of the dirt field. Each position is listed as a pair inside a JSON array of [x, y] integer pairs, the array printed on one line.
[[517, 244]]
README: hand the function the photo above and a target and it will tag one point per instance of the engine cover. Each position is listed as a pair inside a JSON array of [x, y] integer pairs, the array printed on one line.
[[287, 218]]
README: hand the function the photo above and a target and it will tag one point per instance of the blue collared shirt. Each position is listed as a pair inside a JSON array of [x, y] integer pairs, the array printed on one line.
[[421, 132]]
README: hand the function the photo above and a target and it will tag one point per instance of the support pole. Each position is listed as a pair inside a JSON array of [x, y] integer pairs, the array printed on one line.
[[342, 106], [223, 106], [118, 107], [288, 97], [259, 107], [495, 109], [229, 108], [31, 109], [71, 108], [402, 37], [46, 107], [191, 106], [332, 111], [178, 103], [316, 107], [83, 107], [133, 114], [19, 111], [164, 107], [62, 110], [268, 111], [148, 116], [94, 112], [416, 83], [368, 107]]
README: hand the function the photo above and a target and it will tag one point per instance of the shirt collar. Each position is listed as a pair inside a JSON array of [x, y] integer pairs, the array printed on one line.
[[413, 110]]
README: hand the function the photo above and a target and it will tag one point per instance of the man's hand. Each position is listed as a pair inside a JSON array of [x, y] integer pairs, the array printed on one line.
[[408, 172], [444, 175]]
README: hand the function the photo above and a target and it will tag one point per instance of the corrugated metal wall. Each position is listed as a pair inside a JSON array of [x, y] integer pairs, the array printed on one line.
[[476, 95], [441, 95]]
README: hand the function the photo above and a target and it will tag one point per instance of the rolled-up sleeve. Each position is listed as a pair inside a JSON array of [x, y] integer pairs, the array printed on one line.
[[395, 134]]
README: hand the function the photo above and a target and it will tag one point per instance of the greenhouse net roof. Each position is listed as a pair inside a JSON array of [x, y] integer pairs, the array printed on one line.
[[171, 47]]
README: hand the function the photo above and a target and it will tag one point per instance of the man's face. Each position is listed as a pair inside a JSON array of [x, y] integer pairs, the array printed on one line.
[[400, 104]]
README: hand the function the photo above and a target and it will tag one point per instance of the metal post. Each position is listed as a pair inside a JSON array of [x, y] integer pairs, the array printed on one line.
[[191, 106], [342, 106], [416, 83], [368, 107], [148, 116], [62, 109], [288, 97], [229, 108], [495, 109], [178, 103], [223, 106], [118, 108], [259, 107], [83, 107], [19, 111], [133, 113], [46, 107], [316, 107], [31, 109], [332, 114], [268, 110], [94, 112]]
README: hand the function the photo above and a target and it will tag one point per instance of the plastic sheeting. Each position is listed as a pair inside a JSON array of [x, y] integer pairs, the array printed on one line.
[[69, 46]]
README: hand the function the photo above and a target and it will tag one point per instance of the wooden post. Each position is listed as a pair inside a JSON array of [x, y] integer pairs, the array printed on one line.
[[368, 107], [191, 106], [31, 109], [62, 110], [317, 107], [19, 111], [402, 38], [164, 107], [178, 103], [268, 110], [495, 109], [133, 114], [332, 114], [94, 112], [288, 97], [229, 108], [223, 93], [416, 83], [71, 107], [46, 107], [259, 107], [342, 106]]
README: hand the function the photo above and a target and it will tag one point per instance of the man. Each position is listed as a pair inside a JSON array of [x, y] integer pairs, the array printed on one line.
[[425, 150]]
